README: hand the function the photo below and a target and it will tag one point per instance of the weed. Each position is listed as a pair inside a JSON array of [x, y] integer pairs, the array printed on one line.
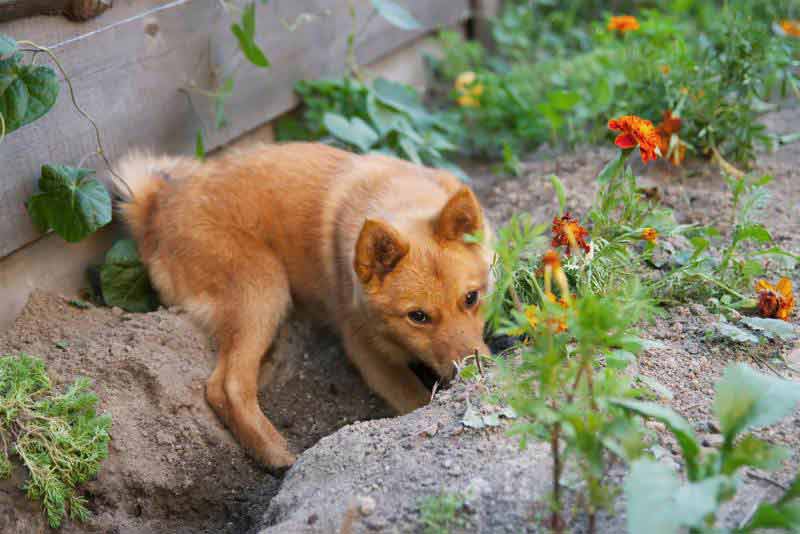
[[58, 437], [439, 514]]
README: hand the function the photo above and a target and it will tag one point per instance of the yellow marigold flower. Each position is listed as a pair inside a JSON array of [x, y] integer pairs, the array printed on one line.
[[636, 131], [775, 302], [468, 91], [532, 315], [650, 234], [791, 27], [664, 69], [684, 90], [623, 23]]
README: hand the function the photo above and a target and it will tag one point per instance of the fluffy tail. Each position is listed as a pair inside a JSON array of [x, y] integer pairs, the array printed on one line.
[[145, 175]]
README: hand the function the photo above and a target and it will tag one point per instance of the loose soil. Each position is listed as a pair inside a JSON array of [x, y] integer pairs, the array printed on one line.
[[174, 468]]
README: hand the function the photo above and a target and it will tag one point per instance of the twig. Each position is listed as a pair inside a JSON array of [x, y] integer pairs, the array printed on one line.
[[2, 128], [100, 149], [768, 480], [766, 364], [434, 389], [749, 515], [478, 362]]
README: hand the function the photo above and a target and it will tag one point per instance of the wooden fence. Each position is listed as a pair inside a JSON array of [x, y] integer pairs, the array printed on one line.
[[130, 65]]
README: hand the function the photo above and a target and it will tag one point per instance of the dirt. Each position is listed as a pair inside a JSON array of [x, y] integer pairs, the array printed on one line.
[[174, 468]]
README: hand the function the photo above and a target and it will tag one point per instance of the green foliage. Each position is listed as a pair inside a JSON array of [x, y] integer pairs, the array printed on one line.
[[58, 437], [558, 74], [657, 499], [439, 514], [385, 117], [70, 202], [27, 91], [124, 280], [245, 33]]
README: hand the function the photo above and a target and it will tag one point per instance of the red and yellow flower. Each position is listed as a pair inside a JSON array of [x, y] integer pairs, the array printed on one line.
[[650, 234], [636, 131], [775, 301], [667, 129], [623, 24], [567, 231]]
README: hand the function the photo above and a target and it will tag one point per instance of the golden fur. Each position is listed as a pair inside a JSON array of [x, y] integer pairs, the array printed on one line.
[[359, 241]]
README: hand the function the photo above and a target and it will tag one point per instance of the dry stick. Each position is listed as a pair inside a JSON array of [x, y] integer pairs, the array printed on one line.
[[478, 362], [768, 480], [100, 149]]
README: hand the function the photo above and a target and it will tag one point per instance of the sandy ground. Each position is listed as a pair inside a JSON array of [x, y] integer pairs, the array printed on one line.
[[174, 468]]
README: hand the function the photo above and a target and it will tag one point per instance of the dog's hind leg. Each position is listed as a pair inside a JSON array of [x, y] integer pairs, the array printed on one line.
[[246, 320]]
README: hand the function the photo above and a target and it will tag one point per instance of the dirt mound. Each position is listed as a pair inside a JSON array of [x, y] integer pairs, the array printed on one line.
[[172, 466]]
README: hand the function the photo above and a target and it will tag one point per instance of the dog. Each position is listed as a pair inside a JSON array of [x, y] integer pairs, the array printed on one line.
[[374, 246]]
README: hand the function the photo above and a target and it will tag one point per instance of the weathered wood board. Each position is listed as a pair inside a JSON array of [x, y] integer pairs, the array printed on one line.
[[129, 65]]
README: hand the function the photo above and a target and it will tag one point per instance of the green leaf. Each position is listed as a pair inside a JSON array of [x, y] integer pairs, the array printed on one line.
[[383, 117], [679, 427], [409, 149], [619, 359], [396, 14], [43, 89], [561, 194], [124, 280], [354, 132], [219, 102], [754, 232], [8, 47], [753, 452], [659, 504], [245, 34], [70, 203], [779, 517], [734, 333], [746, 399], [401, 97], [773, 327]]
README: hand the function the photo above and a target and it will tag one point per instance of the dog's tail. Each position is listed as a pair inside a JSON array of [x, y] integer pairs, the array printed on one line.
[[144, 175]]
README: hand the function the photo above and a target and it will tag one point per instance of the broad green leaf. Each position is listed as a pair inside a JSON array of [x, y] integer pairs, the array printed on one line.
[[754, 232], [650, 488], [619, 359], [773, 327], [70, 202], [409, 149], [245, 34], [354, 132], [774, 516], [383, 117], [746, 399], [753, 452], [735, 333], [43, 88], [396, 14], [679, 427], [401, 97], [659, 504], [563, 100], [124, 280], [561, 194], [8, 47]]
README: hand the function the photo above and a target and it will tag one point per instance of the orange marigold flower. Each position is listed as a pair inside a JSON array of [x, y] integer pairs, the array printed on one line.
[[623, 23], [664, 69], [636, 131], [670, 125], [650, 234], [775, 302], [791, 27], [550, 258], [568, 231], [468, 91]]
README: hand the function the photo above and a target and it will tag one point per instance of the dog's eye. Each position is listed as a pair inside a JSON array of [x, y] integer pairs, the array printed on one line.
[[471, 299], [419, 317]]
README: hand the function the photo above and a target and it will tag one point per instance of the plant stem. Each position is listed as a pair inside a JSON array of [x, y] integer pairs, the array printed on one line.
[[555, 517]]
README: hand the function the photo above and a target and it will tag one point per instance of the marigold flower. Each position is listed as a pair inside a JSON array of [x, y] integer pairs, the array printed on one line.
[[791, 27], [550, 258], [664, 69], [468, 91], [775, 302], [623, 23], [670, 126], [650, 234], [636, 131], [568, 231]]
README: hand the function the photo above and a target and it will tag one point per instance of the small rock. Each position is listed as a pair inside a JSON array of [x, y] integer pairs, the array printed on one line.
[[117, 311], [366, 505], [656, 425], [712, 440]]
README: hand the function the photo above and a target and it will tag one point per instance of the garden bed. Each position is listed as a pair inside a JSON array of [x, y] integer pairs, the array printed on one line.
[[173, 467]]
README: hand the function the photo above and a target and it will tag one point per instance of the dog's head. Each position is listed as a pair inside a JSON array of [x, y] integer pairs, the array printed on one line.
[[423, 288]]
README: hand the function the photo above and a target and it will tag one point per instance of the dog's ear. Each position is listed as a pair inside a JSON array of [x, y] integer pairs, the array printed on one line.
[[378, 249], [461, 215]]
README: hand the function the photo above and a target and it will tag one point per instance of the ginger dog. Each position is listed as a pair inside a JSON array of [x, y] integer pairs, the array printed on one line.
[[372, 245]]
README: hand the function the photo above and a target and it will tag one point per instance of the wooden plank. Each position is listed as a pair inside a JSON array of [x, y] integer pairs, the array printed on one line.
[[128, 76]]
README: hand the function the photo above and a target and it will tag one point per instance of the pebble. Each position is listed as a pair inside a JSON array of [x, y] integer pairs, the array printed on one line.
[[117, 311], [366, 505]]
